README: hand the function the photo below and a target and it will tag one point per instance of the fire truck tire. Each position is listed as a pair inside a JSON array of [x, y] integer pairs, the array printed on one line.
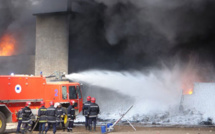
[[2, 123]]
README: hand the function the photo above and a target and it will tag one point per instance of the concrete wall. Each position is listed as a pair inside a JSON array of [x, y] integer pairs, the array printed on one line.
[[19, 64], [51, 44]]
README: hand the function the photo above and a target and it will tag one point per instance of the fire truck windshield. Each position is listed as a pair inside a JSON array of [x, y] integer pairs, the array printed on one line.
[[72, 92]]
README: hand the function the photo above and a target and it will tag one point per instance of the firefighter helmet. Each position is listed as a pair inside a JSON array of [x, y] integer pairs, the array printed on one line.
[[72, 102], [88, 98], [57, 104], [42, 103], [51, 103], [28, 103], [93, 100]]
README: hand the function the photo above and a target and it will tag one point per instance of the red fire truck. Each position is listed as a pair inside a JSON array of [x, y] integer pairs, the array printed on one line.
[[15, 90]]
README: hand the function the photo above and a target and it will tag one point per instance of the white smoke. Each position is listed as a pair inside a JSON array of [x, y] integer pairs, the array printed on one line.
[[153, 93]]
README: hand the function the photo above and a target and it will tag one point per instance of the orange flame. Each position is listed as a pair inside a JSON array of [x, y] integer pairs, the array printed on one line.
[[188, 92], [7, 45]]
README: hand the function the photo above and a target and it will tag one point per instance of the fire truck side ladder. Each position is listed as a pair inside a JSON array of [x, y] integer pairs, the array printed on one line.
[[16, 101]]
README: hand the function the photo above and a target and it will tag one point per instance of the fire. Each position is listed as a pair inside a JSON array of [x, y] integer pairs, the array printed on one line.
[[188, 92], [7, 45]]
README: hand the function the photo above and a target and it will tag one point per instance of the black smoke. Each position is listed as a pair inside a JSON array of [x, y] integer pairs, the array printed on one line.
[[136, 34], [114, 38], [123, 34], [196, 31], [17, 20]]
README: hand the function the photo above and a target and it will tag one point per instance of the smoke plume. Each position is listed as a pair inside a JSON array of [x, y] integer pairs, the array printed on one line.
[[122, 34], [17, 20], [134, 34]]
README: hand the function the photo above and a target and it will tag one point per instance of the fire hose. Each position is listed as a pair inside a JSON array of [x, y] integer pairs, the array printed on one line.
[[35, 125]]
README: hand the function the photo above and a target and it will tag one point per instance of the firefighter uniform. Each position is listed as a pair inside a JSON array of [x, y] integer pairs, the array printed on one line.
[[19, 117], [42, 118], [51, 118], [85, 108], [60, 116], [93, 111], [26, 119], [71, 117]]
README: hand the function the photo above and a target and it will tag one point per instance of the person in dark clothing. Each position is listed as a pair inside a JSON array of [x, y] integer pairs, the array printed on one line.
[[51, 117], [26, 118], [71, 115], [60, 116], [19, 118], [85, 108], [93, 111], [42, 117]]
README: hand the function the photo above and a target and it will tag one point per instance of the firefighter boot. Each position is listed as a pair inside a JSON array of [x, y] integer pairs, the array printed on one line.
[[23, 132], [90, 128], [29, 132]]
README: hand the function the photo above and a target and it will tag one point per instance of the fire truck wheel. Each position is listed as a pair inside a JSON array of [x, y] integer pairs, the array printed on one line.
[[2, 122]]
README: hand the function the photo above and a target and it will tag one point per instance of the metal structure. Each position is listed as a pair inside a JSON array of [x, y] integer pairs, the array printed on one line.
[[111, 128]]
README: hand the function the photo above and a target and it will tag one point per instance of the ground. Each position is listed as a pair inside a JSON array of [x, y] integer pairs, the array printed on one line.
[[122, 129]]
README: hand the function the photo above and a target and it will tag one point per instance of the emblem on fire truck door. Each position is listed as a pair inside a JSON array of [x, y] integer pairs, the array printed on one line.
[[18, 89]]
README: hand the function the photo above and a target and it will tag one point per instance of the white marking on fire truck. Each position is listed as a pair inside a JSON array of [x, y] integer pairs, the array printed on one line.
[[18, 89]]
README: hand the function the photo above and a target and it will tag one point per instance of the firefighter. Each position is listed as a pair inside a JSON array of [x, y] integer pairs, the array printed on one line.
[[42, 117], [51, 117], [93, 111], [19, 117], [85, 108], [71, 115], [26, 117], [60, 116]]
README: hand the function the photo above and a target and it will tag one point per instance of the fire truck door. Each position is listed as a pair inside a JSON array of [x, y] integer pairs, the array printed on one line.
[[73, 94], [79, 96]]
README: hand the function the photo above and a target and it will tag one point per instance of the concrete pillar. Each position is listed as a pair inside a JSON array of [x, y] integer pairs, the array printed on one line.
[[51, 43]]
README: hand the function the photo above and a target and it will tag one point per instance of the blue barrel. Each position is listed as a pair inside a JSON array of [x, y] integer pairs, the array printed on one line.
[[103, 129], [109, 124]]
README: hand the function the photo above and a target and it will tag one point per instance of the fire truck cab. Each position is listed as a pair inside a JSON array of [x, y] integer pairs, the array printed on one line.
[[17, 89]]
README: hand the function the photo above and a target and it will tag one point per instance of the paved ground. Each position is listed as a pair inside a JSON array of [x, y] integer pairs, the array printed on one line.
[[128, 130]]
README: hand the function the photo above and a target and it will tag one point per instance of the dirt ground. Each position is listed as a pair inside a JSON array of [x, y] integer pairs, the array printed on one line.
[[128, 130]]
